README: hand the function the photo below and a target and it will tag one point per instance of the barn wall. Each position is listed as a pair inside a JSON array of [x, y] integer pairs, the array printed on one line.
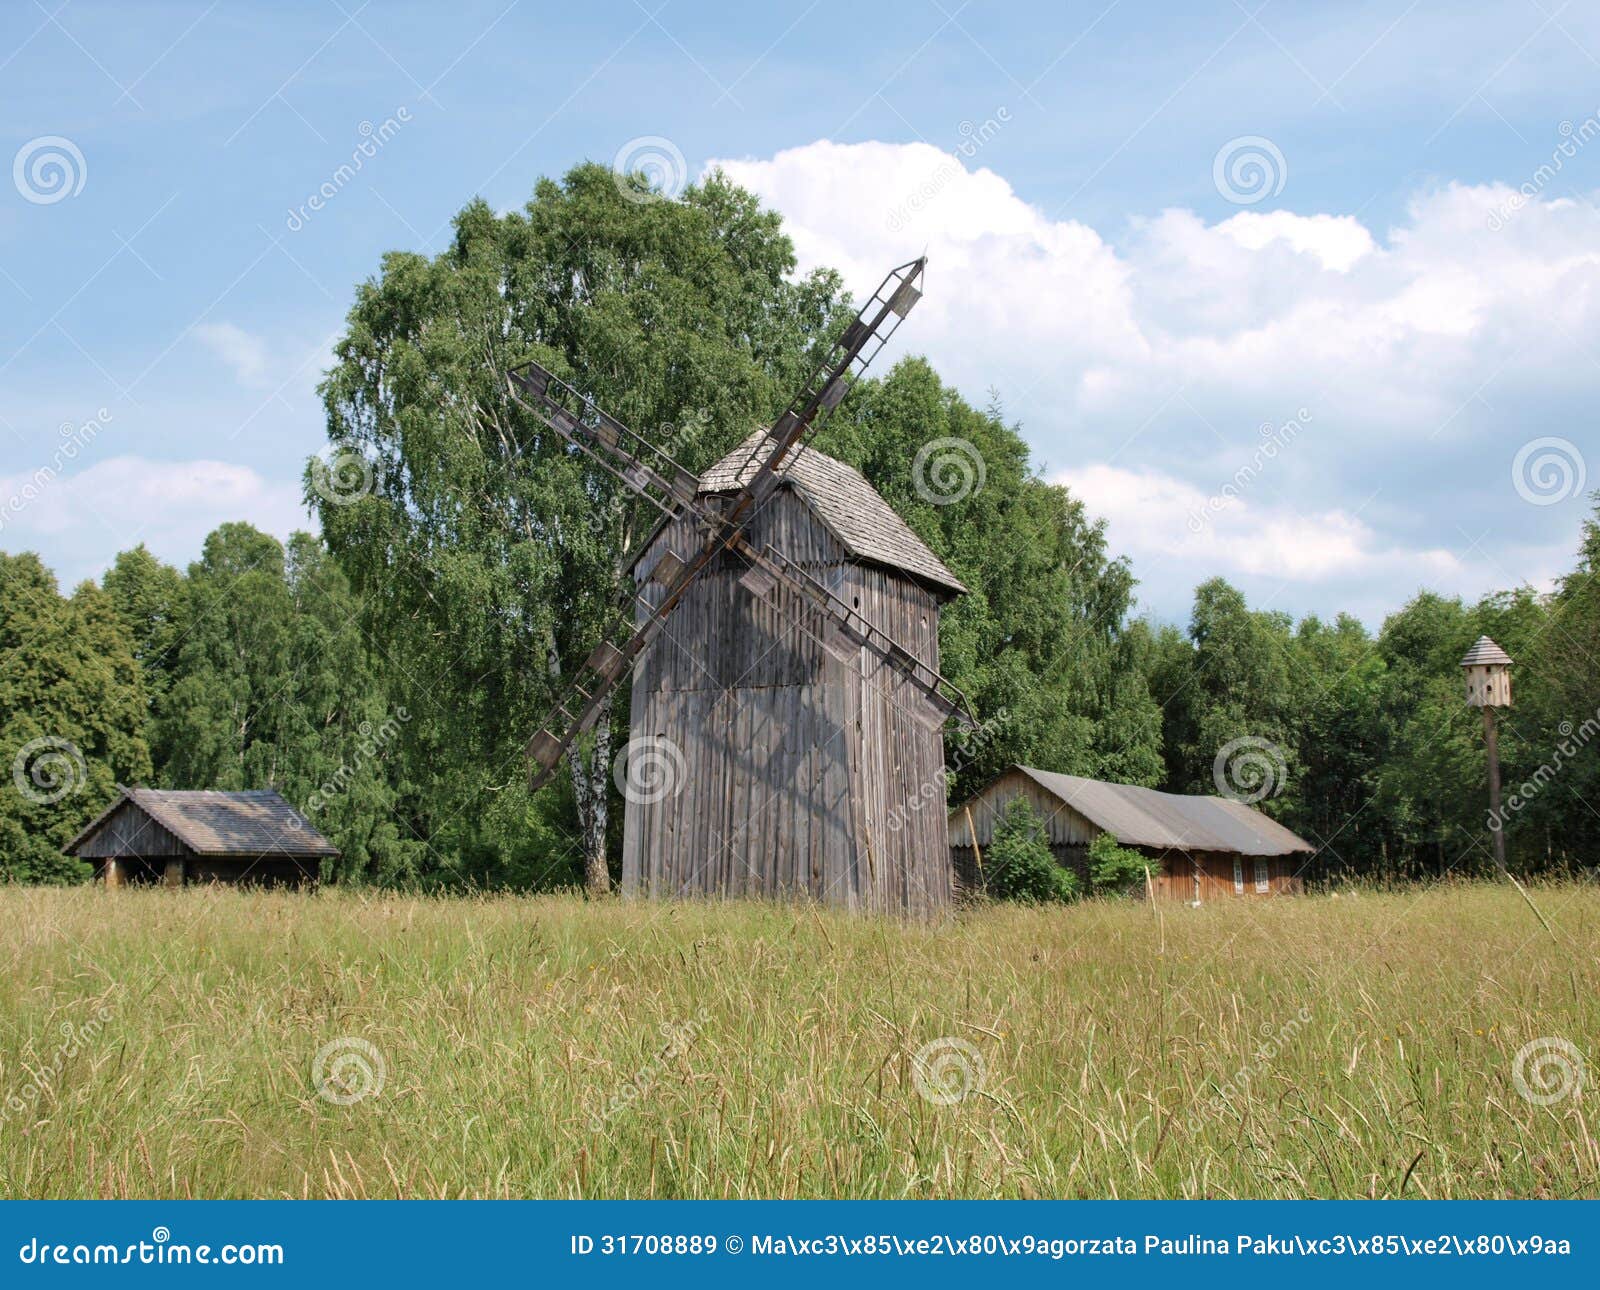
[[1208, 876], [128, 831], [798, 770]]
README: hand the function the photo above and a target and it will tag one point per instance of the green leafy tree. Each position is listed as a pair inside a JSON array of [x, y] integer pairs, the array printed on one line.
[[72, 713], [273, 687], [483, 549], [153, 603], [1114, 867], [1236, 687], [1018, 864]]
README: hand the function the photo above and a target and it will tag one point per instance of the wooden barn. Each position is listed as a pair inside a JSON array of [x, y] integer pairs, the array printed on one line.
[[789, 745], [152, 835], [1201, 848]]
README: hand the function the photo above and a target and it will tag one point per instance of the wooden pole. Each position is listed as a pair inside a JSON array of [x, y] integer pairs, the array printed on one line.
[[972, 830], [1498, 829]]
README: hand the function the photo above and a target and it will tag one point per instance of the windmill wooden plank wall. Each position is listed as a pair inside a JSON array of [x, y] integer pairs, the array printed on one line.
[[796, 765]]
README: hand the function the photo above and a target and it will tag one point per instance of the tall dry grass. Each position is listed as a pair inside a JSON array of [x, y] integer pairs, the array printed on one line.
[[1311, 1047]]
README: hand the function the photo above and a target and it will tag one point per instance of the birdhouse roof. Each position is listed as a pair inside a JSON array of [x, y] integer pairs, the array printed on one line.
[[1485, 652], [212, 823], [851, 508]]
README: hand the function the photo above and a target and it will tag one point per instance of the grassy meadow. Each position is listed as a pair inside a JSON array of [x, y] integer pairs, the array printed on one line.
[[166, 1043]]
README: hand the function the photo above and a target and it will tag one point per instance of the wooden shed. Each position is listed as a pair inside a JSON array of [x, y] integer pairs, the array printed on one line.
[[789, 752], [1201, 848], [151, 835]]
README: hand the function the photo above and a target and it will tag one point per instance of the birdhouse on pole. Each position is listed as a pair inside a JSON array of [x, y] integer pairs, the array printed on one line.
[[1488, 669]]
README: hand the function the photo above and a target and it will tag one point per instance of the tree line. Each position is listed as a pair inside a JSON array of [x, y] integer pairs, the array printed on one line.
[[385, 675]]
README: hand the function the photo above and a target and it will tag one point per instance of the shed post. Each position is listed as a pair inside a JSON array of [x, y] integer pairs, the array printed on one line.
[[172, 875], [113, 872]]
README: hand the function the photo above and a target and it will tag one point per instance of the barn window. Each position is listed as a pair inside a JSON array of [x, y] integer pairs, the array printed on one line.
[[1238, 876], [1263, 875]]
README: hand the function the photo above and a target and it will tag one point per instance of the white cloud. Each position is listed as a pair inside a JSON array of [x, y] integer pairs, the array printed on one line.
[[244, 353], [1424, 356], [1162, 517], [120, 502], [1338, 241]]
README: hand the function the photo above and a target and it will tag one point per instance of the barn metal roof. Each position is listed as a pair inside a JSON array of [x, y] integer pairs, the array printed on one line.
[[1485, 651], [1171, 821], [213, 823], [852, 509]]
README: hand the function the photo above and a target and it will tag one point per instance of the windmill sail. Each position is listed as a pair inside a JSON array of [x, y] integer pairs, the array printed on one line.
[[651, 473]]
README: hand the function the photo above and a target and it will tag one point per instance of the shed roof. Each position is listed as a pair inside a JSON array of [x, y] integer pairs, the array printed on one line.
[[1170, 821], [852, 509], [213, 823]]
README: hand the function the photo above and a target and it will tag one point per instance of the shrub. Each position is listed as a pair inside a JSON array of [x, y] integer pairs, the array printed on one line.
[[1019, 866], [1113, 867]]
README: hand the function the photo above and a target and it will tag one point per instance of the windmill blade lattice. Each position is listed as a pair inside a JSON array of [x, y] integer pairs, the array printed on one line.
[[654, 475]]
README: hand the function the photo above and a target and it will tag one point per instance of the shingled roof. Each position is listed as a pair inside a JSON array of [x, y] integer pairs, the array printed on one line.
[[214, 823], [1171, 821], [851, 508], [1485, 651]]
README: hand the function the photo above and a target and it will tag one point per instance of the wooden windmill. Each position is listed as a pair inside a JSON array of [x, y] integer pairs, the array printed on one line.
[[782, 628]]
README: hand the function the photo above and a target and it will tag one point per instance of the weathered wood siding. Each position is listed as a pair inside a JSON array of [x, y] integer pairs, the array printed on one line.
[[1063, 826], [1207, 876], [128, 831], [794, 771]]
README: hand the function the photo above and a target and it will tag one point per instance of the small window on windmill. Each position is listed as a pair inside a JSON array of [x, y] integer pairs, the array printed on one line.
[[1263, 877], [1238, 876]]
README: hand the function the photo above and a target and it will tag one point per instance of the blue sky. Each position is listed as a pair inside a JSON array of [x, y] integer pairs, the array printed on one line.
[[1401, 297]]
